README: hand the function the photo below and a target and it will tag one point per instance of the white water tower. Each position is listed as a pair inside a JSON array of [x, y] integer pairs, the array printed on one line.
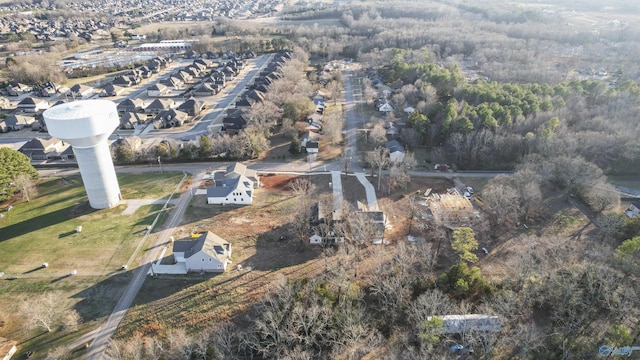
[[86, 125]]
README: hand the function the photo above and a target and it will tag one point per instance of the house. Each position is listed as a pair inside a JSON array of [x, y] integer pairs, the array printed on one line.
[[633, 210], [409, 110], [144, 72], [322, 221], [131, 105], [112, 90], [157, 90], [310, 141], [4, 103], [237, 169], [193, 71], [464, 324], [391, 129], [38, 149], [231, 191], [17, 89], [452, 209], [129, 120], [124, 81], [256, 95], [246, 102], [80, 91], [170, 118], [234, 122], [174, 82], [47, 89], [159, 105], [312, 147], [134, 143], [17, 122], [396, 151], [192, 106], [32, 105], [7, 348], [205, 89], [204, 63], [376, 223], [385, 108], [207, 253]]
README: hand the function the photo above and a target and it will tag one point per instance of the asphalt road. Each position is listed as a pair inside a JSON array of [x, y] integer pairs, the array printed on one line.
[[351, 122], [102, 336], [228, 101]]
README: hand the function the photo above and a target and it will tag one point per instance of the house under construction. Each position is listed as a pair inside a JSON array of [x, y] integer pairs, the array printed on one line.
[[452, 210]]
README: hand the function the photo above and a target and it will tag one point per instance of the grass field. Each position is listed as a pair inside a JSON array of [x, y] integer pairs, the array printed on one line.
[[44, 230]]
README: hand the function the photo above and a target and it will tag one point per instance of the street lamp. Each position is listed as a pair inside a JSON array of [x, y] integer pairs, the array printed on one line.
[[159, 163]]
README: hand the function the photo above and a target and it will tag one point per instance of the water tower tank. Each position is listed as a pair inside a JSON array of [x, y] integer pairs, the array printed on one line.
[[86, 125]]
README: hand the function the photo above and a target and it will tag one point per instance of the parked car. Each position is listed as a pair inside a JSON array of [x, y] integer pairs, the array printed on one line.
[[470, 190], [442, 167]]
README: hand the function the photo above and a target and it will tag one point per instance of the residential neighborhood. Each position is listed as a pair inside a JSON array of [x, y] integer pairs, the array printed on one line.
[[259, 179]]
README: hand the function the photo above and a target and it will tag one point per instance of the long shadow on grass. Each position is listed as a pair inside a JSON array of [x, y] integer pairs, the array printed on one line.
[[44, 220], [99, 300], [278, 249]]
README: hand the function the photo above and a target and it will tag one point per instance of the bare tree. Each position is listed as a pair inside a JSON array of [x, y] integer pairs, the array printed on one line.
[[264, 115], [378, 134], [379, 159], [303, 189], [27, 186], [345, 159], [610, 226], [335, 90], [399, 173], [59, 353], [332, 127], [602, 197], [411, 137], [47, 310], [181, 345]]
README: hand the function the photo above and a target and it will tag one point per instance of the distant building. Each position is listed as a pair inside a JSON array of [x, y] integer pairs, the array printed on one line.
[[463, 324]]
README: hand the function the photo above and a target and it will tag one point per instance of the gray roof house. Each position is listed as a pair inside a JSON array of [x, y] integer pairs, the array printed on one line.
[[17, 122], [237, 191], [207, 253]]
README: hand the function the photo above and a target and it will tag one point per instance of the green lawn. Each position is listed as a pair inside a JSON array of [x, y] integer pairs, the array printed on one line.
[[43, 230]]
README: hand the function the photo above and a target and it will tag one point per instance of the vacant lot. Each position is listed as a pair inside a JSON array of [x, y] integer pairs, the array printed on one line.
[[262, 240]]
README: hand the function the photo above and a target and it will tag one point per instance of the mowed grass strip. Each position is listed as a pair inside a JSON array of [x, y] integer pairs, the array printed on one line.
[[43, 230]]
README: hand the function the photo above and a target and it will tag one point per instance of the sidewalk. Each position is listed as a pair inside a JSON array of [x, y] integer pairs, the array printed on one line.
[[372, 200], [336, 182]]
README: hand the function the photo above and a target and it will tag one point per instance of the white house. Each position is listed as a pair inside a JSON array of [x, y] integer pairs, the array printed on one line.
[[238, 169], [315, 239], [396, 151], [385, 108], [207, 253], [409, 110], [237, 191], [310, 141], [633, 210]]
